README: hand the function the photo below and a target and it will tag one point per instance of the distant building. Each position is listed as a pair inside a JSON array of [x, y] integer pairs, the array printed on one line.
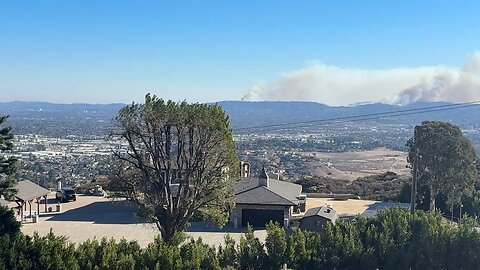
[[28, 193], [316, 218], [373, 209], [245, 171], [261, 200]]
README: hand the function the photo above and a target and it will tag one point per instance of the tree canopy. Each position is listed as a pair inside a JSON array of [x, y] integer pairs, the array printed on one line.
[[446, 160], [180, 161], [7, 163]]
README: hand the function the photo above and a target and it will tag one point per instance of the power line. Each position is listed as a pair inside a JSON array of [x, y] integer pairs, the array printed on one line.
[[361, 115], [356, 118], [349, 119]]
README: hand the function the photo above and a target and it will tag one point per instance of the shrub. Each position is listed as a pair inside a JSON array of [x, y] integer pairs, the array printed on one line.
[[251, 254], [276, 245], [8, 222], [394, 239]]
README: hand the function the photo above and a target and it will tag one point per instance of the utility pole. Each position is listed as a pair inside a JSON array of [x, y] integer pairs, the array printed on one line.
[[453, 200], [414, 183], [460, 216]]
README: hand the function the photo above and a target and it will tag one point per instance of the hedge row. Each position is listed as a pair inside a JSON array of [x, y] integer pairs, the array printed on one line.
[[393, 239]]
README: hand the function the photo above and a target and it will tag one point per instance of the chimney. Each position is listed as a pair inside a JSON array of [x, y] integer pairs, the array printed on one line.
[[244, 169], [263, 180]]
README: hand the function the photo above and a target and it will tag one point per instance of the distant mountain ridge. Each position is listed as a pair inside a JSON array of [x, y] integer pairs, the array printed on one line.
[[33, 116], [244, 114], [16, 106]]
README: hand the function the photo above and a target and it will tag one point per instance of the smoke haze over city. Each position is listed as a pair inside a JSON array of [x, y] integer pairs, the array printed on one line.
[[335, 85]]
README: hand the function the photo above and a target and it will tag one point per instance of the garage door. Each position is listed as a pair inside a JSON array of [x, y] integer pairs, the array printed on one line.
[[258, 218]]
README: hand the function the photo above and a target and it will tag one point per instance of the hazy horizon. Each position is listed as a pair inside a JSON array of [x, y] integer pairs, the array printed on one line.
[[335, 53], [253, 101]]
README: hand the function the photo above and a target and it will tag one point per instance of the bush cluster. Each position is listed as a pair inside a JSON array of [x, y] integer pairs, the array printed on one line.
[[381, 187], [394, 239]]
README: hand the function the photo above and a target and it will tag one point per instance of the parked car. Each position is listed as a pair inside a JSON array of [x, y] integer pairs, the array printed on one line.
[[66, 194]]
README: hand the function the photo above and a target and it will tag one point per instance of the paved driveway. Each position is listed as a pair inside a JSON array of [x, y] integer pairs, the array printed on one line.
[[96, 217]]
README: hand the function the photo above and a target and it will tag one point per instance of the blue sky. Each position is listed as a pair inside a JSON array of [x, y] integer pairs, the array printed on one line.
[[116, 51]]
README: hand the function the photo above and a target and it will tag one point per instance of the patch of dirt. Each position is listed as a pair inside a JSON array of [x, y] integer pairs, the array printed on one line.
[[352, 165]]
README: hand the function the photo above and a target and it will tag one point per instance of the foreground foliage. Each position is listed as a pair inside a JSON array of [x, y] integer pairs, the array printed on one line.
[[8, 222], [7, 163], [393, 239]]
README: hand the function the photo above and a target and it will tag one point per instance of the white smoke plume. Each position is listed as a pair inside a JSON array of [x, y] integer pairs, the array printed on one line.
[[341, 86], [455, 86]]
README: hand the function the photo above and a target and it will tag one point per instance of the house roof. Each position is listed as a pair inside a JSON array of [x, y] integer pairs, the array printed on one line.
[[262, 195], [278, 192], [27, 191], [323, 211], [373, 209]]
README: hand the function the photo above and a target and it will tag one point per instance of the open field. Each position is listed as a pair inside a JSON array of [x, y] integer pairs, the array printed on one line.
[[352, 165]]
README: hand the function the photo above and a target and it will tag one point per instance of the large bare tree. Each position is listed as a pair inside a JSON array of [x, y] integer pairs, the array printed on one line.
[[180, 160]]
